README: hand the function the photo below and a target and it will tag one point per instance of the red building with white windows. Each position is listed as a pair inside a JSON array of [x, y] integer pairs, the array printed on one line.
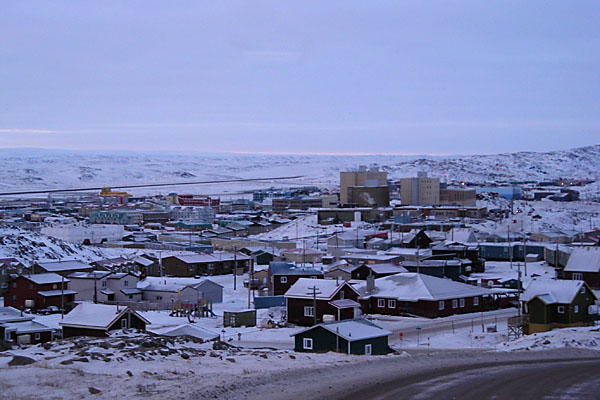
[[44, 289]]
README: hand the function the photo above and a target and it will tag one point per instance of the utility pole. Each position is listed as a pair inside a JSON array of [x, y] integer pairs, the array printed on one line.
[[62, 297], [250, 280], [525, 254], [418, 261], [234, 266], [510, 252], [314, 294]]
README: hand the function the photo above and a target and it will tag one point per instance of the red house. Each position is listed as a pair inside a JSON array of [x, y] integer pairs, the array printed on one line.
[[44, 290]]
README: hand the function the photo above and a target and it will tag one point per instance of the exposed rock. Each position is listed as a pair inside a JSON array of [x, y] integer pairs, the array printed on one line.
[[20, 360], [94, 390]]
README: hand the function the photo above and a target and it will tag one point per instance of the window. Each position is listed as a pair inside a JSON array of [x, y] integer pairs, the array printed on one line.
[[158, 297], [55, 286], [582, 290], [391, 303], [31, 286], [37, 336], [283, 279], [476, 301], [124, 323], [3, 285], [211, 266], [104, 283], [14, 299], [575, 309], [454, 303], [313, 277], [560, 309], [307, 344], [125, 283], [462, 303], [380, 303], [341, 294], [368, 349], [442, 305], [577, 276], [309, 311]]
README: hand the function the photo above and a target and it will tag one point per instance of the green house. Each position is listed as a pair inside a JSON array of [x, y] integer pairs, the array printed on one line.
[[357, 336], [553, 304]]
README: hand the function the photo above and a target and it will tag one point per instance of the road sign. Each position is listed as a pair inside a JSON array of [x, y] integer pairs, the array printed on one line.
[[418, 328]]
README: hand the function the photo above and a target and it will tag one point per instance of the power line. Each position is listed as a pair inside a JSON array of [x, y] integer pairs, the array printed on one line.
[[150, 185]]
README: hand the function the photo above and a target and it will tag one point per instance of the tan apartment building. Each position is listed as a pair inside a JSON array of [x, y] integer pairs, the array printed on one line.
[[420, 191], [457, 196], [363, 177]]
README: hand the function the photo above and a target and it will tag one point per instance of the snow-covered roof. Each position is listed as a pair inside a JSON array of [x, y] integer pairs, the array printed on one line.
[[386, 268], [326, 288], [64, 265], [205, 281], [107, 291], [10, 314], [584, 259], [461, 235], [552, 290], [143, 261], [352, 330], [26, 327], [131, 291], [410, 286], [44, 279], [172, 288], [100, 316], [284, 268], [187, 330], [54, 293], [344, 303]]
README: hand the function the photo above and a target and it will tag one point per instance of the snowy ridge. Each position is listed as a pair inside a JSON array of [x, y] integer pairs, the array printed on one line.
[[45, 169]]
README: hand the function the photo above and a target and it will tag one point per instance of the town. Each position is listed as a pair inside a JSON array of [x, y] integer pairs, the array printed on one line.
[[371, 267]]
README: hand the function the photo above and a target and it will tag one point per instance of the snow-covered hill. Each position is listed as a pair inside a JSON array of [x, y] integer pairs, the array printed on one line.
[[44, 169]]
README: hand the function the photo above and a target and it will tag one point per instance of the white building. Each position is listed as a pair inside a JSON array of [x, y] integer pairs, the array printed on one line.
[[108, 287], [85, 234]]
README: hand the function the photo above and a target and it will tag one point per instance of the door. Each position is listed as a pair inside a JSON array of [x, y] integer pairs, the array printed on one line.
[[368, 349]]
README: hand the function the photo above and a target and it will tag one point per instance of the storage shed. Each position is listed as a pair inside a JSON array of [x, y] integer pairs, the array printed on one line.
[[236, 319]]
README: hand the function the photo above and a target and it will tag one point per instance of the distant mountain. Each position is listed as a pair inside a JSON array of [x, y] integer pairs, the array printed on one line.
[[44, 169]]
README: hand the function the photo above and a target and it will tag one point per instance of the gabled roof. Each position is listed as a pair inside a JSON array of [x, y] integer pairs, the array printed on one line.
[[414, 287], [584, 259], [326, 288], [70, 265], [387, 268], [96, 316], [351, 330], [45, 279], [552, 291], [187, 330]]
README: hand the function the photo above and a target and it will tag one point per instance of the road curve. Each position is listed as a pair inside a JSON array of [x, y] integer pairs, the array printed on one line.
[[556, 379]]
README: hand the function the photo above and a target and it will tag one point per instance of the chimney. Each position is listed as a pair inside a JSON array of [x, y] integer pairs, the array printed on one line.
[[370, 283]]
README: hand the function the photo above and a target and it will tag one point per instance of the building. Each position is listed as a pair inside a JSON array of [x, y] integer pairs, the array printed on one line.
[[357, 336], [105, 287], [361, 178], [584, 265], [98, 320], [205, 264], [420, 191], [364, 196], [17, 328], [296, 203], [9, 267], [63, 268], [169, 295], [282, 275], [39, 291], [193, 200], [85, 234], [558, 304], [458, 196], [420, 294], [116, 217], [301, 256], [309, 300]]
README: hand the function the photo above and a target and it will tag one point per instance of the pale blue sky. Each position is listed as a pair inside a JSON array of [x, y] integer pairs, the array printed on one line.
[[407, 77]]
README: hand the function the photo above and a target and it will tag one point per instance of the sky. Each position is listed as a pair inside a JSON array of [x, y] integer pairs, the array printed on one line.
[[324, 77]]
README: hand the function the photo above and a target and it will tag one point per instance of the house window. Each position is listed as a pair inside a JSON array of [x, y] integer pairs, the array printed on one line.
[[309, 311], [380, 303], [158, 297], [31, 286], [391, 303], [37, 336], [341, 294], [560, 309], [476, 301], [582, 290], [283, 279], [125, 283], [14, 284], [14, 299], [3, 285], [104, 283], [575, 309], [462, 303], [307, 344], [55, 286], [368, 349], [454, 303], [124, 323], [211, 266], [577, 276], [442, 305]]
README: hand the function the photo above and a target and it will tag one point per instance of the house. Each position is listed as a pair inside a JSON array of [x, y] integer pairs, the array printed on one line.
[[205, 264], [39, 291], [558, 304], [63, 268], [8, 268], [461, 235], [416, 238], [356, 336], [359, 258], [584, 265], [118, 263], [361, 272], [282, 275], [462, 251], [209, 290], [262, 255], [308, 300], [97, 320], [419, 294], [104, 286], [21, 329], [301, 256], [453, 269], [168, 295]]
